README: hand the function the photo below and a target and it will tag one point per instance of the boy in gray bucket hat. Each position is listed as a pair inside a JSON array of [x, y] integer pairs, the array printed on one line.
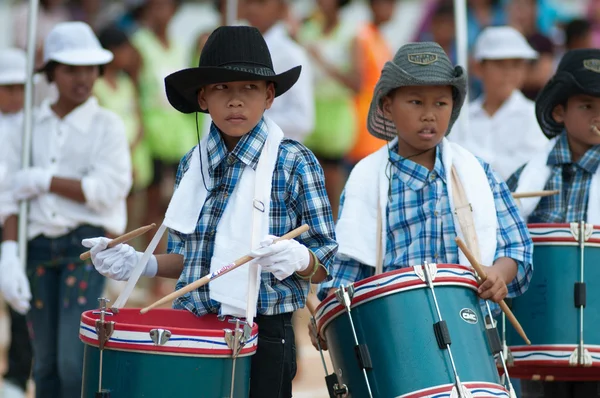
[[404, 204]]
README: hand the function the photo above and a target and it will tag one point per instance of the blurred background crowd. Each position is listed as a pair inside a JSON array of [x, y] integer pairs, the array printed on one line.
[[341, 44]]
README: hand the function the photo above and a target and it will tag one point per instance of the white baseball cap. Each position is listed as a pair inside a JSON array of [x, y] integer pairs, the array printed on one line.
[[502, 42], [13, 66], [74, 43]]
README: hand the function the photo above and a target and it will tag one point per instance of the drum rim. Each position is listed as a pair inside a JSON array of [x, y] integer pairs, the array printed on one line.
[[324, 318]]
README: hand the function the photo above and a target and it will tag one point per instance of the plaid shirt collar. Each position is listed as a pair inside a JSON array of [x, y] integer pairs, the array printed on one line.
[[412, 174], [247, 150], [561, 155]]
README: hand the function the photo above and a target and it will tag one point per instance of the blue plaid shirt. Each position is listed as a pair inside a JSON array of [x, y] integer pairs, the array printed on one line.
[[571, 179], [420, 225], [298, 197]]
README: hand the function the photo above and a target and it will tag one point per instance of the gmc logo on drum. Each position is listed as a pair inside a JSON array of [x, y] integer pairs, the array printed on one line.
[[468, 315]]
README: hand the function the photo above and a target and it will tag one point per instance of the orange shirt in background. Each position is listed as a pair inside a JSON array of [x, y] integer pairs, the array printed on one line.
[[375, 53]]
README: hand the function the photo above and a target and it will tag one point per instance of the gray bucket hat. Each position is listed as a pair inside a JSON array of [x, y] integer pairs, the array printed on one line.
[[415, 64]]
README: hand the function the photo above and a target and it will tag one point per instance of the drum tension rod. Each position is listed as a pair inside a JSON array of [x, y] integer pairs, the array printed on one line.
[[333, 387], [344, 296], [104, 330], [236, 340], [581, 356]]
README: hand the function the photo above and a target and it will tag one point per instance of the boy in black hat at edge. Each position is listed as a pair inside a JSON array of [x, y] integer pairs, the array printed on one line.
[[568, 111], [244, 186]]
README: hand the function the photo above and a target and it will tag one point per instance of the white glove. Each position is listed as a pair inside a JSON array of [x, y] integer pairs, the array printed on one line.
[[29, 183], [14, 284], [282, 258], [117, 262]]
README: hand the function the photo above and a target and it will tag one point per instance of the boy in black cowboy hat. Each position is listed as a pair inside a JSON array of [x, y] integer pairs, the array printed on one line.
[[415, 183], [568, 111], [242, 186]]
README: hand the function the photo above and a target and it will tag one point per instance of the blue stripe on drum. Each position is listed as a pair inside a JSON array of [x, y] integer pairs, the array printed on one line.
[[193, 341], [546, 354], [486, 393], [477, 391], [563, 235]]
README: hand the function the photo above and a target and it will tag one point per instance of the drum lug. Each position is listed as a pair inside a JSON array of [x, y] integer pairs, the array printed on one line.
[[340, 390], [430, 268], [587, 231], [104, 329], [160, 336], [236, 339], [585, 359], [464, 393]]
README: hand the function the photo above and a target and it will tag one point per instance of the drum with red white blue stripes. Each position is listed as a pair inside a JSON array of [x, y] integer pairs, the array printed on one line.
[[393, 314], [549, 311], [165, 353]]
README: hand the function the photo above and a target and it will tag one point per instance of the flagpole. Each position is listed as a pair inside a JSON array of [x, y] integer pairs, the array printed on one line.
[[462, 51], [231, 12], [27, 123]]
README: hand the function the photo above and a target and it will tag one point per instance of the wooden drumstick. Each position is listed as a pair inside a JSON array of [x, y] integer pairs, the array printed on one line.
[[220, 272], [122, 239], [534, 194], [483, 276]]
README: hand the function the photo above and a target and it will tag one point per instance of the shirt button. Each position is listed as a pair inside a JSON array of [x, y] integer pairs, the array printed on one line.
[[53, 215], [432, 176], [435, 213], [436, 256], [53, 160], [230, 159]]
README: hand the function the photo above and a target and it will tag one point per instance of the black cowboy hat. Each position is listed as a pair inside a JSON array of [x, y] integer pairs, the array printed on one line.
[[231, 53], [578, 73]]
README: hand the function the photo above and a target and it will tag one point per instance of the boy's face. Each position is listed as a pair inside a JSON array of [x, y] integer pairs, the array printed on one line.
[[75, 83], [580, 116], [501, 77], [124, 56], [442, 29], [263, 14], [421, 115], [236, 107], [12, 98], [382, 10], [160, 12]]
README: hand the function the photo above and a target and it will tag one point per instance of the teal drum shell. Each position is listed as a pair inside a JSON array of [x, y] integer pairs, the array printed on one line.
[[547, 310], [195, 361], [394, 314]]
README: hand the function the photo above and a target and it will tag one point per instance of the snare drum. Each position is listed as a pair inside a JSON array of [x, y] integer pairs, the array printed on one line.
[[165, 353], [393, 315], [550, 311]]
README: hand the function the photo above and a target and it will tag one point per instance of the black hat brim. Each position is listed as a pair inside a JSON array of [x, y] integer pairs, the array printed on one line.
[[182, 86], [556, 92]]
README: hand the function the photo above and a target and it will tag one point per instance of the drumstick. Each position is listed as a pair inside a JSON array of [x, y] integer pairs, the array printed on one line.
[[483, 276], [220, 272], [122, 239], [521, 195]]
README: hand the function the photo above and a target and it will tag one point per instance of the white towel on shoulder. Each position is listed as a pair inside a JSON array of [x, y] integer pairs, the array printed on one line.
[[243, 224], [366, 193], [535, 176]]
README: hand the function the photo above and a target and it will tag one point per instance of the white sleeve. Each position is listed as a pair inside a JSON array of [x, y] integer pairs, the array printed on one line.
[[110, 180], [10, 161]]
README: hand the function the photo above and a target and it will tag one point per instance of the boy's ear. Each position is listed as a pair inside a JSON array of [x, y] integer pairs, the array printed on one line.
[[558, 114], [270, 95], [386, 106], [201, 100], [477, 68]]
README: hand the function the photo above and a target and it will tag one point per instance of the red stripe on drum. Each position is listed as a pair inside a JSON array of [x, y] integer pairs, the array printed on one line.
[[477, 390], [397, 281]]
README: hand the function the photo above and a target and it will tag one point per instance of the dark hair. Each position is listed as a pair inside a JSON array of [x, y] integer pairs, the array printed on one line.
[[576, 29], [112, 37], [50, 67], [444, 9]]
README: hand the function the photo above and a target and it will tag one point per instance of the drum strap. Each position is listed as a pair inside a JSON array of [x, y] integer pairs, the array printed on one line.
[[464, 213], [380, 248]]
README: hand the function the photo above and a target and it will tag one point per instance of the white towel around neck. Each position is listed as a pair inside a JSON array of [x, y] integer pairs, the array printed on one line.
[[535, 176], [366, 193], [245, 221]]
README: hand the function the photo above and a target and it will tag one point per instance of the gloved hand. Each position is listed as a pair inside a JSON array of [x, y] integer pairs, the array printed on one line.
[[14, 284], [117, 262], [282, 258], [31, 182]]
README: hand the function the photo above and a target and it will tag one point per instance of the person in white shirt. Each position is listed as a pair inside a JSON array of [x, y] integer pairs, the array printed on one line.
[[503, 130], [294, 111], [12, 94], [76, 186]]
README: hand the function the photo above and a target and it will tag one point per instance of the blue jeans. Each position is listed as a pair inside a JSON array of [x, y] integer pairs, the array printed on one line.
[[62, 287]]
